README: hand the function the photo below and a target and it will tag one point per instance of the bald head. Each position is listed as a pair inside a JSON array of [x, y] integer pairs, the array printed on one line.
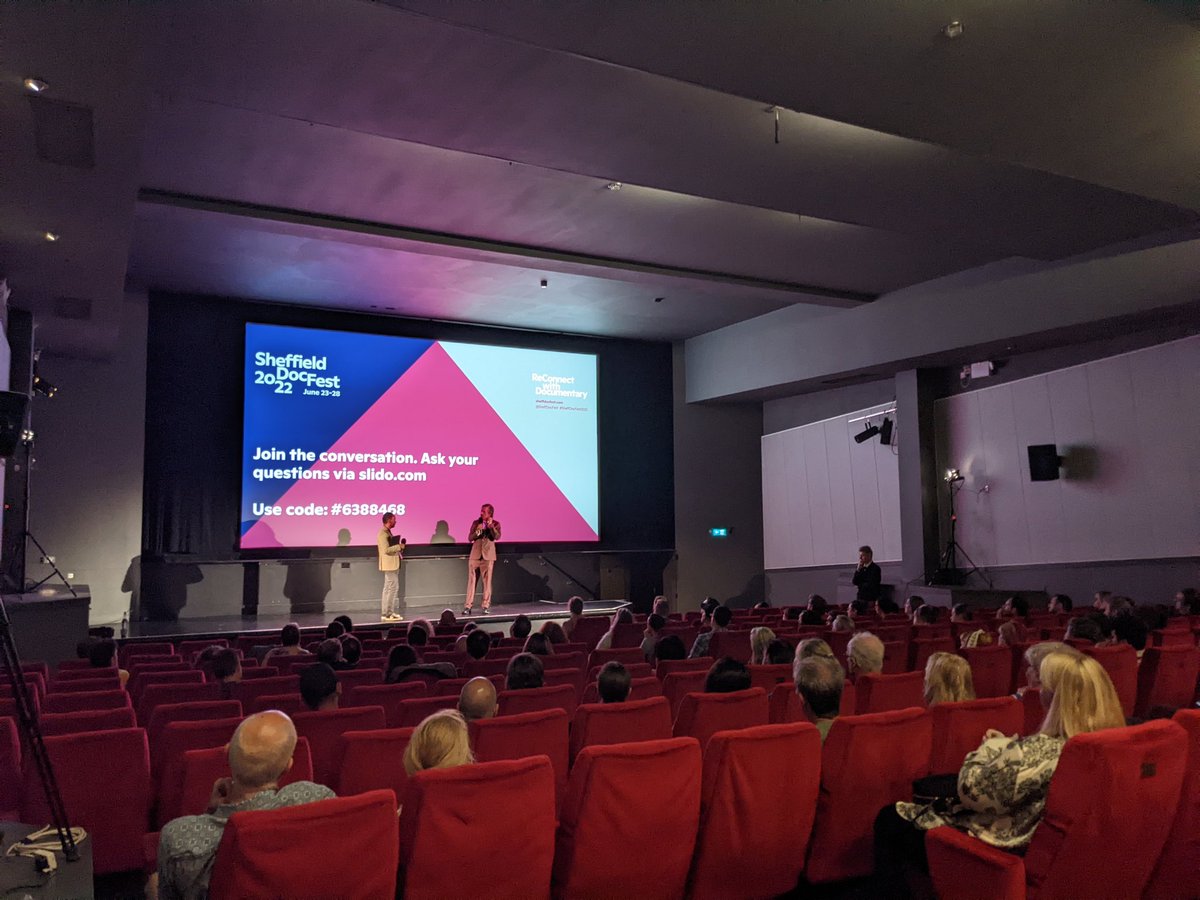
[[477, 700], [261, 749]]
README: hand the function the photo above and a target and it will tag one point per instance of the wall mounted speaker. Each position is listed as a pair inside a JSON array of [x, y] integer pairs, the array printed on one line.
[[1044, 462]]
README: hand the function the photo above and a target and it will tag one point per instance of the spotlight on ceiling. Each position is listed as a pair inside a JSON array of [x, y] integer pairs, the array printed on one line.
[[614, 186], [50, 236], [953, 475], [43, 387], [867, 433], [35, 85], [953, 29], [885, 432]]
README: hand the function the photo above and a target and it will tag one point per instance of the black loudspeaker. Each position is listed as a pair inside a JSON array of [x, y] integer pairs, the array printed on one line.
[[1044, 462], [12, 420]]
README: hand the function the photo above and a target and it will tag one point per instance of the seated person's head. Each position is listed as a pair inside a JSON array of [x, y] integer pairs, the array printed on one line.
[[1034, 656], [538, 644], [477, 700], [864, 654], [330, 651], [762, 604], [661, 607], [722, 616], [1015, 606], [655, 623], [346, 623], [927, 615], [1085, 628], [478, 644], [1101, 601], [418, 633], [521, 627], [912, 604], [1059, 603], [575, 606], [289, 635], [813, 647], [447, 617], [708, 606], [206, 656], [1187, 602], [759, 638], [1010, 633], [524, 671], [319, 687], [226, 665], [1131, 630], [819, 681], [812, 617], [439, 742], [948, 679], [859, 609], [961, 613], [554, 633], [351, 649], [886, 606], [779, 653], [612, 683], [622, 617], [818, 604], [101, 654], [843, 623], [792, 613], [726, 676], [1078, 695], [260, 751], [334, 629], [83, 648], [401, 656], [669, 647]]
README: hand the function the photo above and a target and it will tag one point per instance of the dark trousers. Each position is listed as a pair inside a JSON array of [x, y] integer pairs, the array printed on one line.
[[901, 867]]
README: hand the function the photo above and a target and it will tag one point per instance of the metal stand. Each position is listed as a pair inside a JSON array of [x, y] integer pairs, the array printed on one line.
[[53, 567], [32, 733], [948, 570]]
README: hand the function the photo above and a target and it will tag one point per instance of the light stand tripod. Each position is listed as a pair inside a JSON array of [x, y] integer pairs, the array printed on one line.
[[948, 570]]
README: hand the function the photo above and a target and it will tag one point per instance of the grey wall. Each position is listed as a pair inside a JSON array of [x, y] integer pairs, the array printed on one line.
[[718, 482], [802, 409]]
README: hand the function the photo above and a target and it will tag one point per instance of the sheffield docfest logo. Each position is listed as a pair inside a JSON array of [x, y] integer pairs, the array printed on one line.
[[555, 386], [283, 373]]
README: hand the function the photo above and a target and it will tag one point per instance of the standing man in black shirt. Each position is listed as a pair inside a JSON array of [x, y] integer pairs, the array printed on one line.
[[867, 576]]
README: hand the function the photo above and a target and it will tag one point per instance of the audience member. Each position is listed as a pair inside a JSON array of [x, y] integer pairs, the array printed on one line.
[[842, 624], [289, 643], [859, 609], [669, 647], [478, 643], [441, 741], [103, 655], [762, 604], [334, 629], [960, 613], [814, 647], [980, 637], [620, 617], [260, 752], [575, 613], [779, 653], [538, 644], [760, 639], [818, 604], [554, 633], [726, 676], [227, 666], [521, 627], [948, 679], [447, 618], [721, 619], [612, 683], [864, 655], [819, 682], [1033, 663], [1013, 606], [403, 664], [351, 651], [330, 652], [654, 626], [346, 623], [524, 671], [319, 687], [661, 607], [1131, 630], [477, 700], [1010, 633], [886, 606], [419, 632], [708, 606], [1100, 601], [911, 605], [792, 613], [926, 615], [1085, 628], [810, 617], [1120, 606], [1059, 603], [1187, 602]]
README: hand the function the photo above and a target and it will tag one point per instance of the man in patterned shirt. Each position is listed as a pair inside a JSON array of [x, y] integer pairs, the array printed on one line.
[[260, 753]]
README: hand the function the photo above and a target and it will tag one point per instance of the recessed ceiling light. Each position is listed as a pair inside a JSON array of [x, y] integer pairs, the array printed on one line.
[[544, 283], [35, 85], [50, 236], [614, 186], [953, 30]]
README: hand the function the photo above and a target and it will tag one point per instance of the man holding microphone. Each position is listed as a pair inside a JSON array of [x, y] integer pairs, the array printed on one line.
[[484, 533], [391, 552]]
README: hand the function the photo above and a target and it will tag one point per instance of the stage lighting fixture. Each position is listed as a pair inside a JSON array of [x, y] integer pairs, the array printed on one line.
[[953, 475], [885, 432], [35, 85], [43, 387], [867, 433]]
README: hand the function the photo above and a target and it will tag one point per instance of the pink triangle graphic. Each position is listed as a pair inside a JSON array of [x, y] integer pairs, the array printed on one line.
[[436, 400]]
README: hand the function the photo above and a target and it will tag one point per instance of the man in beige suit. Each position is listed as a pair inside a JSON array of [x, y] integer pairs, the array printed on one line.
[[390, 554], [484, 533]]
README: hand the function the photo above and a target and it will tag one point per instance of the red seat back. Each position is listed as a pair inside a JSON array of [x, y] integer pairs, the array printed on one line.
[[754, 824], [10, 769], [703, 715], [573, 677], [1167, 677], [1121, 663], [1033, 711], [82, 672], [201, 769], [87, 720], [157, 695], [187, 712], [186, 648], [542, 732], [72, 665], [1180, 858], [126, 652], [635, 670], [286, 703], [921, 648], [246, 692], [1116, 788], [373, 760], [1172, 637], [95, 771], [558, 696], [991, 670], [766, 677], [621, 801], [625, 655], [667, 667], [465, 813], [474, 668], [619, 723], [410, 713], [388, 696], [589, 630], [784, 705], [178, 673], [324, 733], [895, 657], [863, 770], [678, 685], [958, 728], [72, 702], [364, 828], [455, 685], [881, 693], [565, 660], [250, 671], [352, 678], [167, 759], [734, 644], [95, 683]]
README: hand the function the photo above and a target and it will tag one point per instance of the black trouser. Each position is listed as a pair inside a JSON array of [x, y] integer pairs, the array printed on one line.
[[901, 867]]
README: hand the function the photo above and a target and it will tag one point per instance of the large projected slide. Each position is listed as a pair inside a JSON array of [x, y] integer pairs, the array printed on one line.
[[340, 427]]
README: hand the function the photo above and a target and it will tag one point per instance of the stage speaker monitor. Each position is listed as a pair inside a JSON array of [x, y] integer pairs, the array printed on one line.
[[13, 406], [1044, 462]]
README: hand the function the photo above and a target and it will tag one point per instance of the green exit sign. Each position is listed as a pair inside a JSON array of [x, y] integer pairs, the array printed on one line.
[[718, 532]]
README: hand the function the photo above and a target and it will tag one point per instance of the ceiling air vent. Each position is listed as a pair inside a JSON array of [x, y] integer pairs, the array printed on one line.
[[73, 308], [63, 132]]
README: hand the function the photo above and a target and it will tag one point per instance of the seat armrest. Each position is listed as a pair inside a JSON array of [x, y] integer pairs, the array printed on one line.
[[965, 868]]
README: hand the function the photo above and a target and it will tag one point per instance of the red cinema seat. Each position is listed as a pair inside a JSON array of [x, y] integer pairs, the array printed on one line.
[[126, 652], [410, 713], [251, 671], [667, 667], [895, 657], [734, 644], [589, 630], [83, 671], [388, 696], [1121, 663], [625, 655], [285, 703], [703, 715], [628, 634], [642, 688], [187, 712], [72, 665], [246, 692], [564, 661], [1033, 712], [539, 733], [150, 679], [157, 695], [559, 696], [186, 648], [573, 677], [71, 702], [286, 852], [324, 732], [1167, 677], [10, 770], [958, 728], [881, 693], [991, 670], [1179, 864], [635, 670], [1108, 814], [867, 762], [8, 704], [784, 705], [352, 678], [94, 770], [457, 837], [32, 680], [485, 668], [454, 686], [921, 648], [620, 723], [202, 768], [75, 685], [766, 677], [678, 685], [140, 672], [372, 761], [1172, 637], [755, 825], [629, 821], [88, 720], [167, 759]]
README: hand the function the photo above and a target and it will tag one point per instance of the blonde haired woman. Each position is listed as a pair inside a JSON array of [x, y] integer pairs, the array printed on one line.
[[948, 679], [760, 638], [439, 742]]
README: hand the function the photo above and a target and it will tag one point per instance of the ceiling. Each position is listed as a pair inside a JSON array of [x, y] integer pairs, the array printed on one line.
[[440, 159]]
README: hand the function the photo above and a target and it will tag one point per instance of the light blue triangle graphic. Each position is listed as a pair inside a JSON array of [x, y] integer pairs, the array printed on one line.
[[548, 400]]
